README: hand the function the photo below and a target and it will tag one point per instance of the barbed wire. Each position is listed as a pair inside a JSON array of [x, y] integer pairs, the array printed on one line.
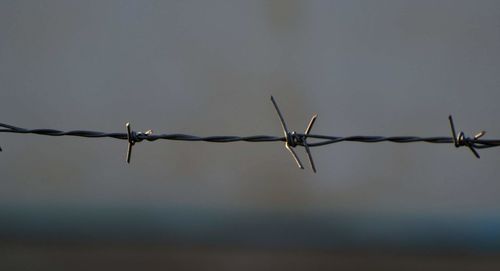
[[291, 139]]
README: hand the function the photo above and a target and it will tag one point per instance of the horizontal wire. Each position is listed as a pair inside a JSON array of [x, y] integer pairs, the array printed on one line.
[[290, 138], [256, 138], [152, 137]]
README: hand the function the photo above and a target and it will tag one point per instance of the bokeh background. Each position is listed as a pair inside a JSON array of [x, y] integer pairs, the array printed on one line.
[[209, 68]]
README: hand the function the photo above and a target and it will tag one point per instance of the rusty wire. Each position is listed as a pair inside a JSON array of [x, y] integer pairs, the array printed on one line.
[[291, 139]]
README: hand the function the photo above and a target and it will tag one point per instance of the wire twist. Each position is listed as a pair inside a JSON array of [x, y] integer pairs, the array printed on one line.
[[291, 139], [134, 137]]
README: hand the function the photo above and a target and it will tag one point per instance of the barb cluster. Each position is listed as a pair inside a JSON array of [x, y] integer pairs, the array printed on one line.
[[291, 139]]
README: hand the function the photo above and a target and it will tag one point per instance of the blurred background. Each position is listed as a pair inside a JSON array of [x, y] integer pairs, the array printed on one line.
[[209, 68]]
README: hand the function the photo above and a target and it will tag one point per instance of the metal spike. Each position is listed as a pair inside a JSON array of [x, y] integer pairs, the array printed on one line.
[[306, 146]]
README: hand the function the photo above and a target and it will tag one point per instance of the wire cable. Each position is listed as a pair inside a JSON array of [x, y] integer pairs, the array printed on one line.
[[290, 138]]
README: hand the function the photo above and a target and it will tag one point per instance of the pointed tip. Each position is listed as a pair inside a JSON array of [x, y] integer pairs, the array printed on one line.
[[313, 167], [314, 117], [294, 156], [311, 123], [479, 135], [309, 155]]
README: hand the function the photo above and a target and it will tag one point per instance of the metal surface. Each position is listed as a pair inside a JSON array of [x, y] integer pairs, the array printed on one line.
[[291, 138]]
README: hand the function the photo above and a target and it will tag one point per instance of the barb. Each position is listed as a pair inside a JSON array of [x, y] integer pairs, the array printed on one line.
[[291, 139], [134, 137], [462, 140]]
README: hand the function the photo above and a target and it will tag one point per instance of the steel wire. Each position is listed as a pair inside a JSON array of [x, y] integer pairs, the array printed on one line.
[[291, 139]]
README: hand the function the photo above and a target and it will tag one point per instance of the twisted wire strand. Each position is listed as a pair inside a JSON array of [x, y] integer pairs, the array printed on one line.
[[326, 140], [479, 143], [139, 136], [290, 138]]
